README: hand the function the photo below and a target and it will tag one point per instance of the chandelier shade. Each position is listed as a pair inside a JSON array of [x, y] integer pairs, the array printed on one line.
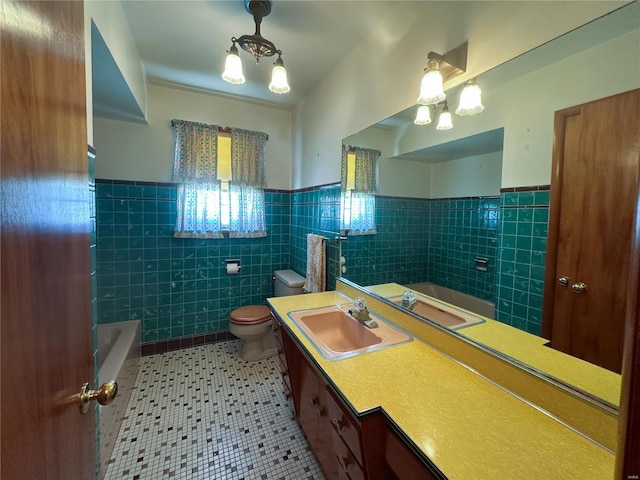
[[233, 67], [279, 83]]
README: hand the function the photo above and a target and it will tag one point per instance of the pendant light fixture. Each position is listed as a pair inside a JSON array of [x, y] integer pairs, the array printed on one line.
[[470, 99], [259, 47]]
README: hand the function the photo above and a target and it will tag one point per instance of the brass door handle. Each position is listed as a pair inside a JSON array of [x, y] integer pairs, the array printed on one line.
[[563, 280], [579, 287], [105, 395]]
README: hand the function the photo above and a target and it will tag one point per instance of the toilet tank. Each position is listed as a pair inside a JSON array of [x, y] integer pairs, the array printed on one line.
[[288, 282]]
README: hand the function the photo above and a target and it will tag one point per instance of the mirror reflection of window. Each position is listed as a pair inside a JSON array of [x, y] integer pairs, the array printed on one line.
[[359, 179]]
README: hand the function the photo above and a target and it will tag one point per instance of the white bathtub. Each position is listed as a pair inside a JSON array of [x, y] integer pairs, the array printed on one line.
[[118, 359], [462, 300]]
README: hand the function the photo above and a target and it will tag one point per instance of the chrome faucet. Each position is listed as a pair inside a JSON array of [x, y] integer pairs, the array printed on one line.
[[408, 300], [362, 313]]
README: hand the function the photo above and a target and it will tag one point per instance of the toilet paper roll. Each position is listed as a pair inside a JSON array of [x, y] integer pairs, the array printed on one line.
[[232, 268]]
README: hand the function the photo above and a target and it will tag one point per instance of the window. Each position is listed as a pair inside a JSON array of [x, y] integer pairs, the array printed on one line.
[[359, 185], [221, 175]]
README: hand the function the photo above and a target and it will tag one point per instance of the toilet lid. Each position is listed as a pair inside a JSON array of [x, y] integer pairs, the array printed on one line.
[[250, 315]]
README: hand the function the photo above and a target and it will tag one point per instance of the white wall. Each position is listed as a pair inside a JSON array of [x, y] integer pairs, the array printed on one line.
[[381, 75], [131, 151], [475, 176], [110, 20], [525, 106]]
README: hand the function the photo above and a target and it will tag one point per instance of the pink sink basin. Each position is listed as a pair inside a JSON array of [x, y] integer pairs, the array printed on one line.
[[440, 313], [336, 334]]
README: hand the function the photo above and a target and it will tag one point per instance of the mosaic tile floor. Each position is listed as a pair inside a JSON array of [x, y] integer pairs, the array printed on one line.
[[202, 413]]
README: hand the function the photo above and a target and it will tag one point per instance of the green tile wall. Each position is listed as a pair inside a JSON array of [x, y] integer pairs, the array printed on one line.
[[399, 250], [178, 287], [316, 211], [461, 230], [522, 253], [417, 240]]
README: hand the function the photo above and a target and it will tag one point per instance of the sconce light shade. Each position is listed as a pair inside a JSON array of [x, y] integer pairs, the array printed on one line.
[[279, 83], [423, 115], [233, 67], [470, 99], [431, 89], [444, 121]]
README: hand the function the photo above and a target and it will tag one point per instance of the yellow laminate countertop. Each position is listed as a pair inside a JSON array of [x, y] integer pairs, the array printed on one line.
[[531, 350], [466, 425]]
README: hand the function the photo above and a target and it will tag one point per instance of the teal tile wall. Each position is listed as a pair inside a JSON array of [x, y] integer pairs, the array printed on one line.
[[398, 252], [523, 244], [417, 240], [461, 230], [178, 287], [316, 210]]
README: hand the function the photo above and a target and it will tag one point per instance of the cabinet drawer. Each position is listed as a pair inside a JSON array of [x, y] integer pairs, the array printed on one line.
[[402, 461], [348, 467], [344, 426]]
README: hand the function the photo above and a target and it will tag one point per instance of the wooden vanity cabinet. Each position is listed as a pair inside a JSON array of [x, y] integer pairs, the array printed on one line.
[[401, 461], [282, 360], [348, 447]]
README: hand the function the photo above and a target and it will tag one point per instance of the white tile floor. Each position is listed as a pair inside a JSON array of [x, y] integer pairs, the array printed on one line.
[[203, 413]]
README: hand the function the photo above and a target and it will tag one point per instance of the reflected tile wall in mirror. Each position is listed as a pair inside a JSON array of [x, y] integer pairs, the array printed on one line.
[[521, 264]]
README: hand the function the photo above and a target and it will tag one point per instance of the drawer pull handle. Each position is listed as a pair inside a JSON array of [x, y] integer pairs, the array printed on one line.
[[337, 426], [343, 461]]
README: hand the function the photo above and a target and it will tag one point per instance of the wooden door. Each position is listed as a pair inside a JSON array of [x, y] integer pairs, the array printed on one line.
[[593, 199], [46, 306]]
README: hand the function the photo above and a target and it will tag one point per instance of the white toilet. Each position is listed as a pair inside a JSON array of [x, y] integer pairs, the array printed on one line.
[[252, 323]]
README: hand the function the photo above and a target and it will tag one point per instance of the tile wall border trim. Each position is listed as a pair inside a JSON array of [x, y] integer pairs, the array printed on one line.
[[169, 345], [531, 188]]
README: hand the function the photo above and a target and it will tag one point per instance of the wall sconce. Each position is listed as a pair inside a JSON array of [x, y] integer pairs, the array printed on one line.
[[423, 115], [470, 99], [441, 68], [259, 47], [444, 120]]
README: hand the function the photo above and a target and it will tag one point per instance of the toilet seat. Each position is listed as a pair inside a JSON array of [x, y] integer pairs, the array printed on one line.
[[250, 315]]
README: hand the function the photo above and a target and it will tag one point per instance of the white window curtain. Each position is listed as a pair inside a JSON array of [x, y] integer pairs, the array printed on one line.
[[200, 196], [358, 189], [195, 169]]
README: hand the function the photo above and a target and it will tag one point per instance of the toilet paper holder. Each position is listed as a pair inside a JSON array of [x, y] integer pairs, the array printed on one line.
[[233, 266], [481, 264]]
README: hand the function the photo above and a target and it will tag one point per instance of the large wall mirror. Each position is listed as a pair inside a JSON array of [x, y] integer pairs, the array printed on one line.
[[468, 208]]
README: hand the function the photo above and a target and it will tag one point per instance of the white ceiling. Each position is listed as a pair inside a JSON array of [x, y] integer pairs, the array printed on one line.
[[184, 43]]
